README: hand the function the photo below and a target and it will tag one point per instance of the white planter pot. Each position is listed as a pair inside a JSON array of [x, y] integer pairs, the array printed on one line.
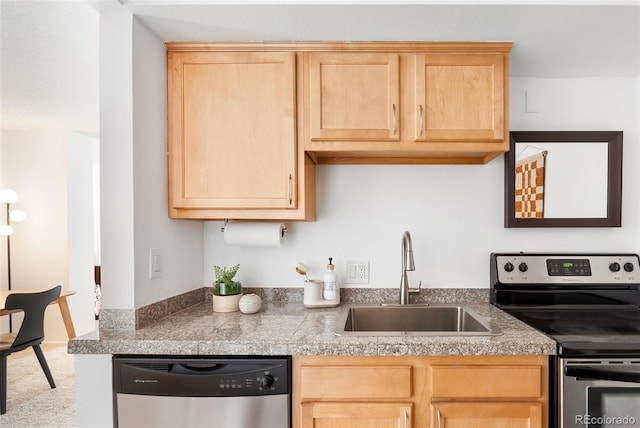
[[226, 303]]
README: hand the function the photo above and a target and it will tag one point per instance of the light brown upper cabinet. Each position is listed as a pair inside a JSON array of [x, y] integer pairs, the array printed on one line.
[[354, 96], [460, 97], [232, 141], [249, 121], [407, 103]]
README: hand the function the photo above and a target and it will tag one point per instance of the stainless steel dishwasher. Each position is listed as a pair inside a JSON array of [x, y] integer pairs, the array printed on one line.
[[228, 392]]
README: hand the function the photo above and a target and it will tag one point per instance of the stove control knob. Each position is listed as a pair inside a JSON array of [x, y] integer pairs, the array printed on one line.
[[522, 267], [508, 266], [614, 267], [266, 381], [628, 267]]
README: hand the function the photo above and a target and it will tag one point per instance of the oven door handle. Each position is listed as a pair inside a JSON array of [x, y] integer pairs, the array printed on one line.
[[599, 373]]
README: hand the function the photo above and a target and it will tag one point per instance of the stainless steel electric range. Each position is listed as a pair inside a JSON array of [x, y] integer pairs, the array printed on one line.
[[590, 305]]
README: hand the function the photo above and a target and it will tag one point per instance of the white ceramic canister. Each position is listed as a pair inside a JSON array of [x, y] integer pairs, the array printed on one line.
[[250, 303], [312, 293]]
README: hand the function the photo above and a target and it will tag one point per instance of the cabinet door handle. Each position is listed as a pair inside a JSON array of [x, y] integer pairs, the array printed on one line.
[[395, 120], [439, 419], [421, 120], [406, 419], [289, 189]]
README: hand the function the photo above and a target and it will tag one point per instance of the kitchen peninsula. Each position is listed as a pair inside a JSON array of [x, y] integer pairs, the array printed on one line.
[[288, 328]]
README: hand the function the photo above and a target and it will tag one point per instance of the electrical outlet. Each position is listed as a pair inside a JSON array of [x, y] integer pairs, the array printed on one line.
[[357, 271]]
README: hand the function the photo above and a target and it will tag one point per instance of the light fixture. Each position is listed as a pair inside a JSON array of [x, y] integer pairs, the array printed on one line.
[[17, 215], [6, 230], [9, 197]]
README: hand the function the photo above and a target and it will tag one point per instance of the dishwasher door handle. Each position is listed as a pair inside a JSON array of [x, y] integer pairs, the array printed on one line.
[[195, 367]]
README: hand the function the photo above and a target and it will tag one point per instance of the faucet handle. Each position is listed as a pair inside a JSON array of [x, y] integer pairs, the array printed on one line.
[[416, 290]]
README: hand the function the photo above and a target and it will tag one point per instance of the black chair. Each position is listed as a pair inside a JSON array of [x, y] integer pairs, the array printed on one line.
[[31, 333]]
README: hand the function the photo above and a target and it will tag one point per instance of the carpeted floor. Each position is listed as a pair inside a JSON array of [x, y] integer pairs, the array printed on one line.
[[30, 401]]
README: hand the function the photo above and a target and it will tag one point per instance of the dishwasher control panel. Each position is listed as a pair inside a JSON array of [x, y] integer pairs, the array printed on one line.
[[261, 380], [202, 376]]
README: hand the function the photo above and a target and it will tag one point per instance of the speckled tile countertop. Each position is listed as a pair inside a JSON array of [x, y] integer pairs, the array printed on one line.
[[288, 328]]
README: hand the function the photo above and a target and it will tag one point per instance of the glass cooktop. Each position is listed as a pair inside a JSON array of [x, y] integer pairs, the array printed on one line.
[[593, 332]]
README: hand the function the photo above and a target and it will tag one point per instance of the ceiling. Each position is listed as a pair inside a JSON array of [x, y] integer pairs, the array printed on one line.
[[50, 49], [49, 65]]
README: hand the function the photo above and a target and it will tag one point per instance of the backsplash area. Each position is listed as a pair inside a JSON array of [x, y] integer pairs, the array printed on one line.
[[121, 319]]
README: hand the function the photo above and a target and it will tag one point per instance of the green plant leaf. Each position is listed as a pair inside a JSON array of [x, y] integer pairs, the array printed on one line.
[[225, 285]]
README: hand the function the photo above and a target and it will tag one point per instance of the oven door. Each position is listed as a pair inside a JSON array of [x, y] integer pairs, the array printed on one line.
[[599, 394]]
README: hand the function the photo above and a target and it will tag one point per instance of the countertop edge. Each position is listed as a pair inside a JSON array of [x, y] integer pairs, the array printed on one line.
[[282, 328]]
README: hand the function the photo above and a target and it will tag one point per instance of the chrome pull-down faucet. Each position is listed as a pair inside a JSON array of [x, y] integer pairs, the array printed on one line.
[[407, 265]]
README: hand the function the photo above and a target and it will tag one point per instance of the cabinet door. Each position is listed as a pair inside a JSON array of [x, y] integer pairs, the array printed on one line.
[[353, 96], [486, 415], [232, 136], [356, 415], [460, 97], [487, 381]]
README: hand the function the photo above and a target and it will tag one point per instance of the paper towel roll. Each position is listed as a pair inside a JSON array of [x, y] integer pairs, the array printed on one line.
[[254, 234]]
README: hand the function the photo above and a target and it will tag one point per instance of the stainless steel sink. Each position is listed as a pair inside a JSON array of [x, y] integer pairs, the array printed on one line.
[[416, 320]]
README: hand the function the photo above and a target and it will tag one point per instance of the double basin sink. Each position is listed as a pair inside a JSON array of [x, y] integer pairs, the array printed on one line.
[[412, 320]]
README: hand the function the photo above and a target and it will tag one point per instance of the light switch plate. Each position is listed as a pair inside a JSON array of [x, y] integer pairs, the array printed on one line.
[[357, 271], [155, 263]]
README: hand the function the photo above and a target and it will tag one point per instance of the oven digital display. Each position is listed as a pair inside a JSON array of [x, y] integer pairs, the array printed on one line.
[[568, 267]]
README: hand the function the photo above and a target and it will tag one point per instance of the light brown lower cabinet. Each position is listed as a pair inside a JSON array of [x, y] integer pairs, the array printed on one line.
[[486, 415], [356, 415], [422, 391]]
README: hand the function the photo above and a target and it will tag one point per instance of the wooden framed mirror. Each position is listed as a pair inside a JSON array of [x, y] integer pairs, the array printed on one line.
[[563, 179]]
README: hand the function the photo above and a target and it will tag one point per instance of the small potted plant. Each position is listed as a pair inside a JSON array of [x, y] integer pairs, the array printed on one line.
[[226, 291]]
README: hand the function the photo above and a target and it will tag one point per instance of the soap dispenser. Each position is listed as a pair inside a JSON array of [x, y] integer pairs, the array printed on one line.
[[314, 289], [330, 282]]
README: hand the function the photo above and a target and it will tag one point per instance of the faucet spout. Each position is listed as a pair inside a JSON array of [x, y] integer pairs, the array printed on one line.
[[407, 265]]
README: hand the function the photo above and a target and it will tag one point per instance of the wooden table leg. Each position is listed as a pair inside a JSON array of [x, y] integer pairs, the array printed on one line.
[[66, 317]]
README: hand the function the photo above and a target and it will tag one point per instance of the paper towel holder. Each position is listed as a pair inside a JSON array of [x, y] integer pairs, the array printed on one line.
[[284, 229]]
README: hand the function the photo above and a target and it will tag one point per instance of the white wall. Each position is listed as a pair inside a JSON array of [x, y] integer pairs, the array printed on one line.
[[179, 240], [133, 178], [35, 165], [83, 223], [116, 159], [454, 213]]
